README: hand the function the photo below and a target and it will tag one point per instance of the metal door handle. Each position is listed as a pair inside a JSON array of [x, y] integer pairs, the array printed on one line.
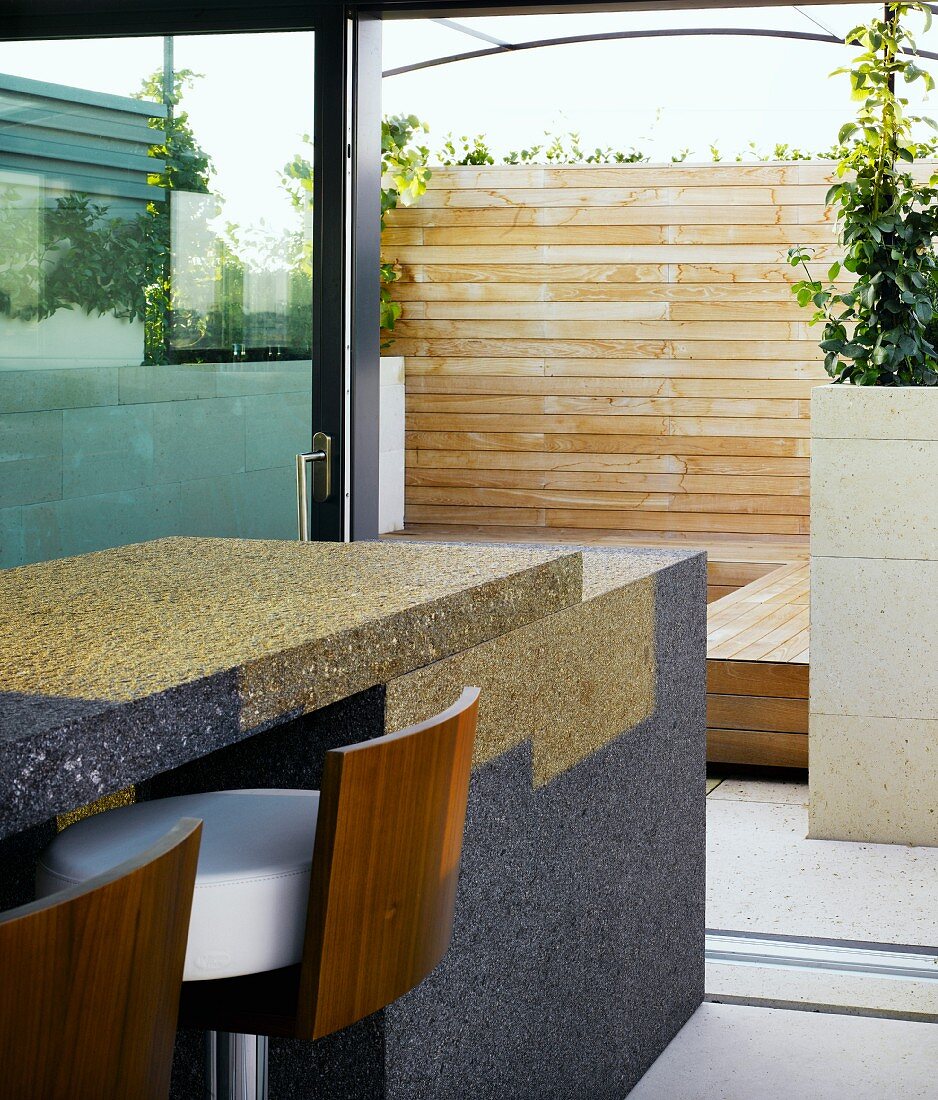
[[321, 458]]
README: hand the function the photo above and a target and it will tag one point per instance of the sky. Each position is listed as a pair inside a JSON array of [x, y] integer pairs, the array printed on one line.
[[660, 95], [250, 109], [255, 101]]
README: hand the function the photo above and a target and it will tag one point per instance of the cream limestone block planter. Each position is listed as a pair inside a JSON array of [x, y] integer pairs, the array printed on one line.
[[874, 615]]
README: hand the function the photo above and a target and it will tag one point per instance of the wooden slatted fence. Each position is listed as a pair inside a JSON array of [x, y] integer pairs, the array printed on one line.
[[610, 349]]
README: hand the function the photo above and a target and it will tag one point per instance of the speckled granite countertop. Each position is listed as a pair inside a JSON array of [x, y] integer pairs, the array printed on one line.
[[120, 664]]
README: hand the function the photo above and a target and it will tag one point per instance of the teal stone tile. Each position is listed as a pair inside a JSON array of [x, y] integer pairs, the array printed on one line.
[[11, 538], [291, 376], [195, 439], [277, 427], [60, 388], [260, 504], [30, 457], [80, 525], [166, 382], [106, 449]]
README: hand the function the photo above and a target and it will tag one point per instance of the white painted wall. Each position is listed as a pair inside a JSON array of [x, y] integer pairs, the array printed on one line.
[[874, 615], [391, 470]]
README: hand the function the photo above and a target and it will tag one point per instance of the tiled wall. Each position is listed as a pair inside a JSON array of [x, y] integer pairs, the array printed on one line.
[[98, 456]]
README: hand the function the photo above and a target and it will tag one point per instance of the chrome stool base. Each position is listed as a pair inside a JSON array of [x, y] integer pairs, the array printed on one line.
[[235, 1066]]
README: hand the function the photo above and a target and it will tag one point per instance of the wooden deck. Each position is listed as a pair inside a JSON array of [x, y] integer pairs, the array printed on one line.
[[757, 672], [757, 666]]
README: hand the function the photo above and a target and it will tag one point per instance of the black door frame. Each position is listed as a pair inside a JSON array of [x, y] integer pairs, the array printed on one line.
[[347, 109]]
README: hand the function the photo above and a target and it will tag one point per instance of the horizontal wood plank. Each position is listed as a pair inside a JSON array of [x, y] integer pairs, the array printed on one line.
[[600, 348], [767, 678], [757, 748], [764, 713]]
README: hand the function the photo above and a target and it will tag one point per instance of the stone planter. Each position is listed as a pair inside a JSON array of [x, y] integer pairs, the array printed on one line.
[[874, 615]]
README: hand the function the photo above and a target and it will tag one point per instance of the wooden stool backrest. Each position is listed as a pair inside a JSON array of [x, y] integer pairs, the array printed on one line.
[[392, 813], [90, 980]]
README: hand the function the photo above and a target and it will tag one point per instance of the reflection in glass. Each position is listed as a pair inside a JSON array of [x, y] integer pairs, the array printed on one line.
[[155, 290]]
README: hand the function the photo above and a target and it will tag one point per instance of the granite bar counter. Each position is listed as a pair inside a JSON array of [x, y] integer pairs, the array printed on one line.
[[191, 664]]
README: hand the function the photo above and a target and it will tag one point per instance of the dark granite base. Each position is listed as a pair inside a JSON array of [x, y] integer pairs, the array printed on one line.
[[579, 944], [290, 755], [18, 856], [351, 1063]]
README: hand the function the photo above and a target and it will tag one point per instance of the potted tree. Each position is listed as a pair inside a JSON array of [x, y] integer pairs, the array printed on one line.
[[874, 513]]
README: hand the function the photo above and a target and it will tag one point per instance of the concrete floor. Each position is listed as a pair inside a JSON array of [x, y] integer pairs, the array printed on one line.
[[735, 1052], [763, 875], [877, 1036]]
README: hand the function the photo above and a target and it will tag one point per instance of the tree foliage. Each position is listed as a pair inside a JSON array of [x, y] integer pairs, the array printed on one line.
[[186, 167], [883, 330], [81, 258], [85, 257], [404, 176]]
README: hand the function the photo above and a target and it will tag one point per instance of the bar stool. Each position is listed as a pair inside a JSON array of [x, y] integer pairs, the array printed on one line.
[[311, 909], [90, 979]]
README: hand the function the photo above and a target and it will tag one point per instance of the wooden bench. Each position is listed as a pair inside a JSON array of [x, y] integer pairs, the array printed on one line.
[[757, 671]]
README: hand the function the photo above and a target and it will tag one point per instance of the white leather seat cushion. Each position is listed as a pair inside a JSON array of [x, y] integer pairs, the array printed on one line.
[[252, 885]]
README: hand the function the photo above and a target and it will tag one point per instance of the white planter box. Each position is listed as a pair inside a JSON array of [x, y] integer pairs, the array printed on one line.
[[874, 614], [391, 468], [71, 338]]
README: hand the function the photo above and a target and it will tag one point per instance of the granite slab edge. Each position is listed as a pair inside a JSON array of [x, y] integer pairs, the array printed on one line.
[[78, 757]]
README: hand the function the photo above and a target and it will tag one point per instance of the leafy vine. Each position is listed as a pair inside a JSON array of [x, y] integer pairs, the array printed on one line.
[[882, 331]]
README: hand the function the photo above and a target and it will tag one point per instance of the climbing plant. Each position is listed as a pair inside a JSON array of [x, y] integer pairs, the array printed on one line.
[[564, 148], [404, 176], [882, 330]]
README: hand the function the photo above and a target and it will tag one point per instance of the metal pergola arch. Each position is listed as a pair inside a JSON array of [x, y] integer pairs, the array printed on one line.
[[500, 47]]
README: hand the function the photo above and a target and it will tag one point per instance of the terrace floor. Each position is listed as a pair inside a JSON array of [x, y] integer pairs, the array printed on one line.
[[737, 1052], [765, 875], [815, 1027]]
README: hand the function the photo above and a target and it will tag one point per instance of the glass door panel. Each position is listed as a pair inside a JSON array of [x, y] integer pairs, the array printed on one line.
[[156, 274]]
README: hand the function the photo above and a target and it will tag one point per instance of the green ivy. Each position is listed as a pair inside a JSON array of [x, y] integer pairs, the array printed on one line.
[[404, 176], [557, 149], [883, 331], [465, 150]]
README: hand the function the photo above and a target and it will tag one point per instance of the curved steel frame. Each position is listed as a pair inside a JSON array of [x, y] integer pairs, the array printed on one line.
[[614, 36]]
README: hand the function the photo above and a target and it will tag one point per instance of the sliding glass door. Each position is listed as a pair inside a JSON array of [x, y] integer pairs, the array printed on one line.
[[157, 269]]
